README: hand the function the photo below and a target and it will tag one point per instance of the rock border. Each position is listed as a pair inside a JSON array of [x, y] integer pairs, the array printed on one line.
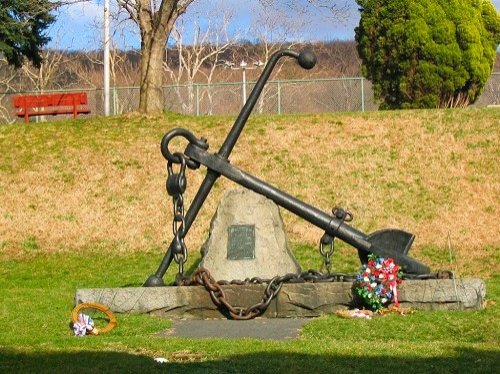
[[294, 299]]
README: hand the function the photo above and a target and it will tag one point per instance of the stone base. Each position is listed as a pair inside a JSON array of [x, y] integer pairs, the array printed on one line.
[[294, 300]]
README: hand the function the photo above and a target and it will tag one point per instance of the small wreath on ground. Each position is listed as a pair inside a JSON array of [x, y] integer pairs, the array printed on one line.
[[83, 324]]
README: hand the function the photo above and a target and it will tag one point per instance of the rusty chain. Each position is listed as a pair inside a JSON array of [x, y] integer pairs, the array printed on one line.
[[202, 277]]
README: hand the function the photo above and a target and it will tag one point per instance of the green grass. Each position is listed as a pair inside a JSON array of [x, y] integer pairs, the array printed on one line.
[[73, 184], [37, 298], [82, 204]]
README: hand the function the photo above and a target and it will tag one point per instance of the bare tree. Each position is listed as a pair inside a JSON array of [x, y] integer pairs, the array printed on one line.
[[273, 30], [8, 78], [155, 19], [343, 63], [124, 68], [198, 59], [326, 9], [46, 76], [87, 69]]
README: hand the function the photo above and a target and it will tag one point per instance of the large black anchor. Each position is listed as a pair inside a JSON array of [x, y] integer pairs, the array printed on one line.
[[386, 243]]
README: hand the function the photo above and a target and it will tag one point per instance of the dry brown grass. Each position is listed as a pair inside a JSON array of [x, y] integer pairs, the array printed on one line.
[[100, 183]]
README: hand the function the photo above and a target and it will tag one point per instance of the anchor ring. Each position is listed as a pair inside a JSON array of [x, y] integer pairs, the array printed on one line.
[[175, 157]]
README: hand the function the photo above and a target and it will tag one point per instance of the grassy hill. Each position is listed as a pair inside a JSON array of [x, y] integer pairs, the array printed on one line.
[[99, 183]]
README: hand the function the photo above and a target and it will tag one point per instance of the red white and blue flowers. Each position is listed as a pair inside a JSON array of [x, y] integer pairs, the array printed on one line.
[[377, 282]]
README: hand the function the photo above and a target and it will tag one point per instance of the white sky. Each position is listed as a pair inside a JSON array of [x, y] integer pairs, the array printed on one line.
[[79, 26]]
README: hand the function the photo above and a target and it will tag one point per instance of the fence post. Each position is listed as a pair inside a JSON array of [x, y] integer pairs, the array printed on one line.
[[279, 97], [115, 101], [362, 94], [197, 99]]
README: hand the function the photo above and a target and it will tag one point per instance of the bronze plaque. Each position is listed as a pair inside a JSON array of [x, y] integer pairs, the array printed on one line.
[[241, 242]]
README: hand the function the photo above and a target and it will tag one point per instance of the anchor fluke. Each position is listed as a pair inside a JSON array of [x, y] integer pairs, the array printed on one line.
[[396, 244]]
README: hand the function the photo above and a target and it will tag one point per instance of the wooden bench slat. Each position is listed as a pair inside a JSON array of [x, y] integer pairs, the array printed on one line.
[[42, 112]]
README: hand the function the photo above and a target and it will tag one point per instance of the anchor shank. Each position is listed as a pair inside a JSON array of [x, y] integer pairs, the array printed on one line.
[[318, 218], [331, 225]]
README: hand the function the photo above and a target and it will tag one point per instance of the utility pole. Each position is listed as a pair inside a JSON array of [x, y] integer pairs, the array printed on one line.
[[243, 67], [106, 57]]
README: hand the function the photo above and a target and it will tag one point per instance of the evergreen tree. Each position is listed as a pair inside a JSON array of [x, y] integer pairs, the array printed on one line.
[[22, 29], [427, 53]]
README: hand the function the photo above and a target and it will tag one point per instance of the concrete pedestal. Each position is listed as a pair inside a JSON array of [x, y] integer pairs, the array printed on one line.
[[294, 300]]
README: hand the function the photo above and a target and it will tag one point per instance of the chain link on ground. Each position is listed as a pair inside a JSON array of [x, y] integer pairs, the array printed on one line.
[[202, 277]]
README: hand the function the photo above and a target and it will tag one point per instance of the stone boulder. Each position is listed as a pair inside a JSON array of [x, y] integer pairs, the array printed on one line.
[[247, 239]]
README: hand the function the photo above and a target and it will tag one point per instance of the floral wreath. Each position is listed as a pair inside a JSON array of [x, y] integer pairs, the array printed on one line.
[[377, 282]]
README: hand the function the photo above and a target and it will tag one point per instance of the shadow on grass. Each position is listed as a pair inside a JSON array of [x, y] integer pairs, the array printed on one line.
[[463, 361]]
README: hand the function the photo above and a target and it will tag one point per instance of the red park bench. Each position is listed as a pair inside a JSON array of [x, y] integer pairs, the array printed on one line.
[[51, 104]]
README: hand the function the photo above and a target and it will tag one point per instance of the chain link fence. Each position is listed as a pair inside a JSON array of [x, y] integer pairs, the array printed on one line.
[[278, 97]]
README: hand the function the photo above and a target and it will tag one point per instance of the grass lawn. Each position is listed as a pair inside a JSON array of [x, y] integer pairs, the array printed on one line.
[[82, 204], [37, 293]]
